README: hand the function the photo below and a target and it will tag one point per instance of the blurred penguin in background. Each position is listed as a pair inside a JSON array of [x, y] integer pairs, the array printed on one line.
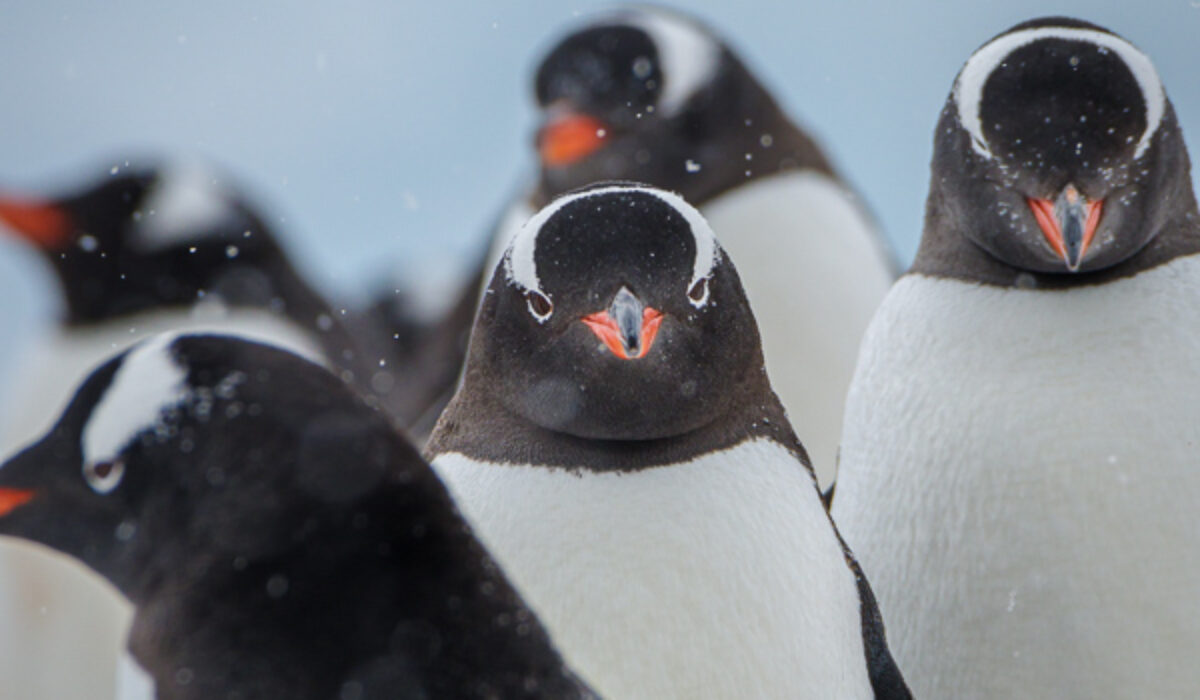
[[654, 96]]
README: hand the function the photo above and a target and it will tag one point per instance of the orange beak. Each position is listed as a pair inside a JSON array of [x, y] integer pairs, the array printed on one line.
[[1068, 223], [11, 499], [45, 225], [569, 138], [626, 327]]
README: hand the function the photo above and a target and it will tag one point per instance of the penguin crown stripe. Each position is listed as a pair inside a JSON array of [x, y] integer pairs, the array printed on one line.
[[521, 269], [688, 55], [149, 382], [187, 199], [968, 89]]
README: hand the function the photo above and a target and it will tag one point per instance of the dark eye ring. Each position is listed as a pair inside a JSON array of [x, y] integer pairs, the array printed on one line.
[[539, 305]]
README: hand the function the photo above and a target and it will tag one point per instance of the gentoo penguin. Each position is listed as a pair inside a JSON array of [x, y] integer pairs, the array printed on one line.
[[140, 251], [1019, 461], [617, 446], [649, 95], [157, 248], [278, 538]]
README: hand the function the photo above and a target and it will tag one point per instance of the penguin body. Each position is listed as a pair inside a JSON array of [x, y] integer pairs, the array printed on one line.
[[1018, 454], [1036, 517], [625, 565], [139, 252], [276, 536], [635, 475], [652, 96]]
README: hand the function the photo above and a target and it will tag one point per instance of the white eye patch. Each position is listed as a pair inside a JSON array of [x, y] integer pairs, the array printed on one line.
[[968, 89], [687, 54], [521, 269], [187, 201], [103, 477], [148, 383]]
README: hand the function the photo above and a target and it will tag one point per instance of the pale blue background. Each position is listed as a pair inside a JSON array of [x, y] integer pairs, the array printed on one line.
[[385, 131]]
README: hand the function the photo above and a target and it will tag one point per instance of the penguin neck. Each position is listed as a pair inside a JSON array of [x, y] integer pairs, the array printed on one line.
[[477, 425], [730, 133], [413, 590], [947, 252]]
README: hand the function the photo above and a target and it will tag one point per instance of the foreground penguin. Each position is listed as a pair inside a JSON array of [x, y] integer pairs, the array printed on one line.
[[649, 95], [1019, 465], [618, 448], [140, 251], [277, 537]]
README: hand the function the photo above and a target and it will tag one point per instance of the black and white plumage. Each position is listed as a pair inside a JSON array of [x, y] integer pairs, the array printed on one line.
[[277, 537], [1018, 463], [147, 250], [650, 95], [138, 252], [616, 444]]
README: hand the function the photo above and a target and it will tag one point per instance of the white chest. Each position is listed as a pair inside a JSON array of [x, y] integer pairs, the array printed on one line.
[[811, 263], [1020, 472], [720, 578]]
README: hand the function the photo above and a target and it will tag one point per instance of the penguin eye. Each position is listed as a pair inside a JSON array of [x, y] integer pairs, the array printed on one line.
[[104, 476], [539, 305], [699, 292]]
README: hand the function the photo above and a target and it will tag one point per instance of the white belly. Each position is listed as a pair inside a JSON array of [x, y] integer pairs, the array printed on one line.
[[721, 578], [53, 614], [814, 272], [1020, 476]]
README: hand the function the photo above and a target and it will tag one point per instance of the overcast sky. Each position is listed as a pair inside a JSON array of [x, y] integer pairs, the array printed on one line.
[[387, 131]]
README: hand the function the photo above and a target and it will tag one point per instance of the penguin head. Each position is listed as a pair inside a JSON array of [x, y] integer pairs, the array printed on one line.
[[143, 238], [1056, 146], [190, 451], [642, 94], [614, 314]]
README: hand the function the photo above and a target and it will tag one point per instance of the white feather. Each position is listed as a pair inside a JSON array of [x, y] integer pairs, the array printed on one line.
[[968, 89], [687, 54], [133, 683], [810, 260], [188, 200], [148, 383], [520, 262], [1019, 481], [718, 578]]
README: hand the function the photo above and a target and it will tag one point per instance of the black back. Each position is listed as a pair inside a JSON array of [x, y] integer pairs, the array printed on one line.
[[110, 266], [279, 539]]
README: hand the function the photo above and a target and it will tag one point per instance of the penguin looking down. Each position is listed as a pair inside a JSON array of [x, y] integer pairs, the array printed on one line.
[[1018, 460], [1058, 152], [277, 537], [651, 95], [616, 444], [141, 251]]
